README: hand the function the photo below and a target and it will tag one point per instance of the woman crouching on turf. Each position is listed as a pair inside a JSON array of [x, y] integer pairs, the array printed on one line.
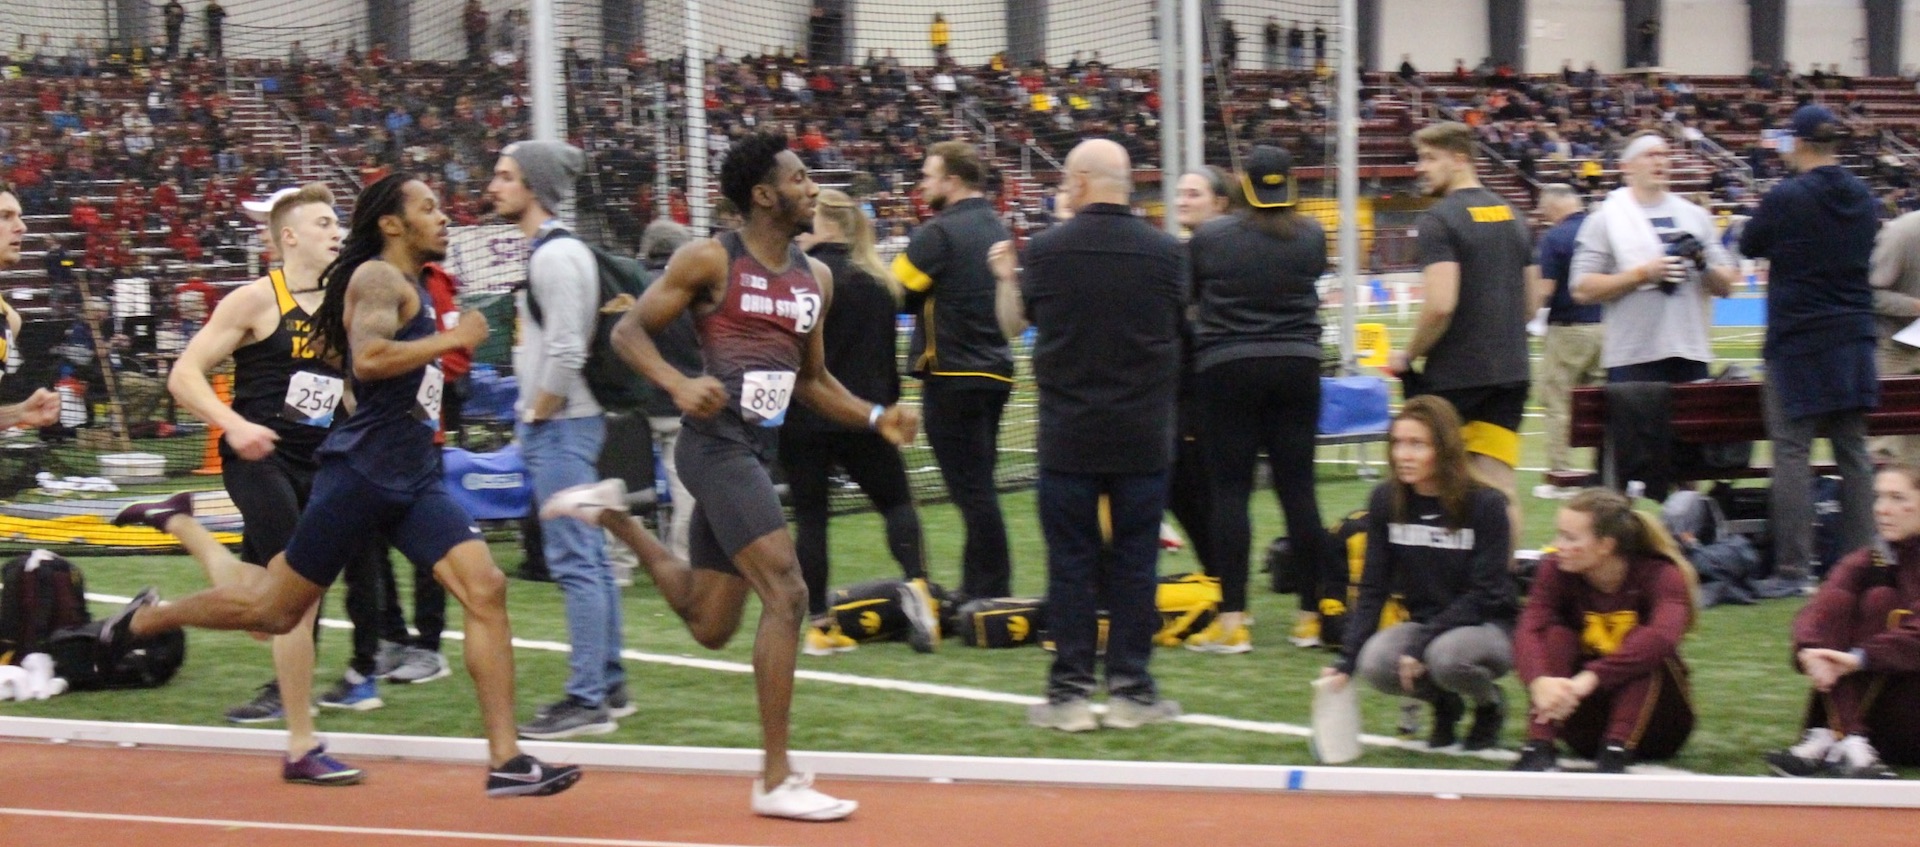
[[1599, 640], [1858, 641], [1439, 539]]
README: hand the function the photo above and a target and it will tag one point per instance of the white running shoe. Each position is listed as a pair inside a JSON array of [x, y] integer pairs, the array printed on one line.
[[796, 799], [584, 503]]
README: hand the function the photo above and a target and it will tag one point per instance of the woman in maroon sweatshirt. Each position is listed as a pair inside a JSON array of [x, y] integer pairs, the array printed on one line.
[[1858, 642], [1599, 641]]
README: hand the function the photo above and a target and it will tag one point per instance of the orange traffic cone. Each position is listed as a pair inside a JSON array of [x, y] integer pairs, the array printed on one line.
[[210, 459]]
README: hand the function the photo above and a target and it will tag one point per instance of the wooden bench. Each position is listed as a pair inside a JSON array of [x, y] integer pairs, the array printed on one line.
[[1729, 412]]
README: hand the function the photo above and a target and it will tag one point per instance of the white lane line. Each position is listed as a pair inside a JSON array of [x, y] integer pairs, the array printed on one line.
[[952, 692], [353, 830]]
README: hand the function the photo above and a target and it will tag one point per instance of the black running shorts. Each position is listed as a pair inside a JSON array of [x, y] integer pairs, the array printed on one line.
[[735, 503]]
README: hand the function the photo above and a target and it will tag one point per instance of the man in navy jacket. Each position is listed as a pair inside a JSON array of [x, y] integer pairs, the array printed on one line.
[[1816, 229]]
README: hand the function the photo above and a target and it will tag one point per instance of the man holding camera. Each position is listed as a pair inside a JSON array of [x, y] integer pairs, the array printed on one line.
[[1654, 261], [1816, 231]]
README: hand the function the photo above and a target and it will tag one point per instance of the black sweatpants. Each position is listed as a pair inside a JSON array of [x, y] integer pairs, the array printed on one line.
[[808, 458], [1247, 405], [429, 606], [1189, 494], [962, 418]]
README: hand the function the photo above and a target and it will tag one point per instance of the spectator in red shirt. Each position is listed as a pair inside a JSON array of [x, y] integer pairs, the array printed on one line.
[[1598, 643]]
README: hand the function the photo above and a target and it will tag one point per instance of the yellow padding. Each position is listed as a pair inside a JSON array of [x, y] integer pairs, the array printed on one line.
[[92, 530], [1493, 441]]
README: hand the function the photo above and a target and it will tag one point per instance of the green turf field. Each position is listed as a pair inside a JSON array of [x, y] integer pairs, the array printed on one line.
[[1748, 697]]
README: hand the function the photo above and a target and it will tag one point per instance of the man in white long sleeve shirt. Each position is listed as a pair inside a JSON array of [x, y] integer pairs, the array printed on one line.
[[561, 427]]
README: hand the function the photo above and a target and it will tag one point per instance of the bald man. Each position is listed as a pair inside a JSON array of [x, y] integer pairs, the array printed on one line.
[[1104, 292]]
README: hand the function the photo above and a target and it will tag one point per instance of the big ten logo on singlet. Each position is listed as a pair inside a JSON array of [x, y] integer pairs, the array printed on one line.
[[1490, 214], [803, 309], [1436, 537], [426, 401], [1606, 631]]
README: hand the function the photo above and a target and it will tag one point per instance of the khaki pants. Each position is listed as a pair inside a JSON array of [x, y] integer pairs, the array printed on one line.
[[1895, 359], [1572, 356]]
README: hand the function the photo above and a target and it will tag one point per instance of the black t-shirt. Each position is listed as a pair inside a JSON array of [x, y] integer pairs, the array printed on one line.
[[1106, 293], [1486, 343], [859, 335]]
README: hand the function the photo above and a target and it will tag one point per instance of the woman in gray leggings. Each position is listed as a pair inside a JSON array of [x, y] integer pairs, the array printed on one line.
[[1438, 540]]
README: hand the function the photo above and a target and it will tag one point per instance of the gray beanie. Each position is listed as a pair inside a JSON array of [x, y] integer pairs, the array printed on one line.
[[550, 169]]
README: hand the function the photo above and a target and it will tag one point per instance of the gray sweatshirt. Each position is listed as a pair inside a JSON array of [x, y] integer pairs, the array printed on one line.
[[1896, 276], [551, 353]]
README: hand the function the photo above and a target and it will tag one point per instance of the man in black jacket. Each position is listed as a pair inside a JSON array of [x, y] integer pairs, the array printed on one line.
[[964, 362], [1105, 292]]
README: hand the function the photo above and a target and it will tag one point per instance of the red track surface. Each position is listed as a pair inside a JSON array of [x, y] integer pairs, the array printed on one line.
[[438, 805]]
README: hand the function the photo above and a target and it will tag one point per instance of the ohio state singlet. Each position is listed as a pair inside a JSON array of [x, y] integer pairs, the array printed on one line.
[[279, 384], [754, 341]]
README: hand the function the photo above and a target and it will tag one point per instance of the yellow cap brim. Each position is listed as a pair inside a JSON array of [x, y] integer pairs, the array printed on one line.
[[1253, 197]]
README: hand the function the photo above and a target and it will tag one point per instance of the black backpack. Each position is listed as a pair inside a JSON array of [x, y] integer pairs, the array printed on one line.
[[40, 594], [79, 659], [615, 386]]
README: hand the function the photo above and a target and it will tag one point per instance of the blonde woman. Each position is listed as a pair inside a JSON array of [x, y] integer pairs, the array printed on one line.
[[859, 336], [1598, 644]]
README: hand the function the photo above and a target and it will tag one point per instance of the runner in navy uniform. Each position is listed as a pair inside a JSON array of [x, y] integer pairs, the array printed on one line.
[[379, 473], [757, 302]]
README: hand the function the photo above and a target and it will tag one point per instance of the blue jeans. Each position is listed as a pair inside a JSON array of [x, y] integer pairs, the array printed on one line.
[[561, 454], [1087, 573]]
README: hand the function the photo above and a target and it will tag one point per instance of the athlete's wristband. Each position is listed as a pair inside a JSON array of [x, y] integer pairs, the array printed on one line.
[[873, 417]]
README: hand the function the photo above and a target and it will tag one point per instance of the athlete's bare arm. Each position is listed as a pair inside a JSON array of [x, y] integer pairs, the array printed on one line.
[[232, 325], [822, 391], [692, 278], [379, 302]]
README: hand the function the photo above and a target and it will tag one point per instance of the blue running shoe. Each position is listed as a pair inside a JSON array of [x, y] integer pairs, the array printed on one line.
[[318, 768], [354, 692]]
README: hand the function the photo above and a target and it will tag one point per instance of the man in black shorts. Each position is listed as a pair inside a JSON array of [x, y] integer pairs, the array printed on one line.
[[757, 303], [1480, 287], [284, 404], [379, 474]]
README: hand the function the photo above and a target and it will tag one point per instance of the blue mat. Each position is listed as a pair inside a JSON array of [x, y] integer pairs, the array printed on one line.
[[1740, 311]]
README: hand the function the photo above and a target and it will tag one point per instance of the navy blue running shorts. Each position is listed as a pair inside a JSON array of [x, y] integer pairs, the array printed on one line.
[[346, 510]]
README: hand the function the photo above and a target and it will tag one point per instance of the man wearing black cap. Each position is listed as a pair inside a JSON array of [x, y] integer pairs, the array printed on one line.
[[1816, 230]]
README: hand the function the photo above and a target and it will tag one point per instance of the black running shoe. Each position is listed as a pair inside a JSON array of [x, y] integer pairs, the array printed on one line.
[[1447, 709], [1538, 757], [156, 514], [1488, 719], [1614, 757], [526, 776], [116, 631]]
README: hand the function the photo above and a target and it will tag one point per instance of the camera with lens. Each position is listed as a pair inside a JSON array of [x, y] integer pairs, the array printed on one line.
[[1682, 245]]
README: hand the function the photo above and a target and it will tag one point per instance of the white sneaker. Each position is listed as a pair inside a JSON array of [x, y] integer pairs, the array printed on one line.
[[1544, 491], [795, 799], [584, 503]]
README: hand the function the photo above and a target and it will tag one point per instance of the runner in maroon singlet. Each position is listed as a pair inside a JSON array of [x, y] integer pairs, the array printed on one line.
[[757, 301]]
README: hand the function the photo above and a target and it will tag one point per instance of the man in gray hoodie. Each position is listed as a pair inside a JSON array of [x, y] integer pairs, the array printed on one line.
[[561, 427]]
